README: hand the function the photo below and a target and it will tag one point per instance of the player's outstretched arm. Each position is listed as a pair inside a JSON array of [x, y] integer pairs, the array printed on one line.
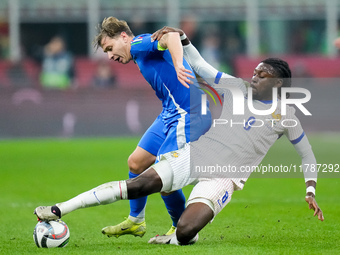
[[196, 61], [191, 54], [310, 199], [308, 164], [172, 42]]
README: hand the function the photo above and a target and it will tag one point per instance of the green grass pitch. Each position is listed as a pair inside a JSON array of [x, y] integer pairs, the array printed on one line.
[[269, 216]]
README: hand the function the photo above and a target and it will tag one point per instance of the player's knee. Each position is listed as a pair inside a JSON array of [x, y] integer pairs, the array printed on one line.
[[186, 232], [134, 165], [143, 185]]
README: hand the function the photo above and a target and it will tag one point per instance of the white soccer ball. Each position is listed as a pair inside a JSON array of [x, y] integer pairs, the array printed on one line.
[[51, 234]]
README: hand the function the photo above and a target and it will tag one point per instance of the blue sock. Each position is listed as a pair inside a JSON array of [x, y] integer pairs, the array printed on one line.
[[175, 203], [137, 205]]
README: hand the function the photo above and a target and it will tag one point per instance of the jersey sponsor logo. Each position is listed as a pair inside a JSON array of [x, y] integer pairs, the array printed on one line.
[[223, 199]]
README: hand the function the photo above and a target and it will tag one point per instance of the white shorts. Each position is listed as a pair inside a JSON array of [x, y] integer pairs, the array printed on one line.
[[214, 192], [174, 171]]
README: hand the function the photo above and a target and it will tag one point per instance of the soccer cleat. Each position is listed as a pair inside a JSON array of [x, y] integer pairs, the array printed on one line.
[[47, 213], [164, 239], [171, 231], [127, 227]]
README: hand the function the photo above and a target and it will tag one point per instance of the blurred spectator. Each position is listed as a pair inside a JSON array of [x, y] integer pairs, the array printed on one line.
[[138, 25], [104, 76], [308, 37], [210, 50], [57, 65], [232, 47], [189, 25]]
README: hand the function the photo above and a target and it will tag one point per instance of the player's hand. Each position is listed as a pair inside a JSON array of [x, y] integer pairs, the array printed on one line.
[[184, 76], [164, 30], [313, 205]]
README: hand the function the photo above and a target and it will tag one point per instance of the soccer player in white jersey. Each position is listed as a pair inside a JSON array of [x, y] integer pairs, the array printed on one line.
[[239, 145]]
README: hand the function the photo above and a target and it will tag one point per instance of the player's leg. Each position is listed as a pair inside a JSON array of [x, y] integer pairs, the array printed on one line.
[[138, 161], [206, 200], [177, 136], [147, 183], [142, 158], [195, 217], [135, 224], [175, 205], [168, 181], [186, 128]]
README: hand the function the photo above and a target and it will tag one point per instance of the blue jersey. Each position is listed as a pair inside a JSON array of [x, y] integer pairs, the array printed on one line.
[[155, 63], [181, 120]]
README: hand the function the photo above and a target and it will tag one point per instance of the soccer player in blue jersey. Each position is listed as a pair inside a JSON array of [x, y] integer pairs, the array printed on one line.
[[180, 120]]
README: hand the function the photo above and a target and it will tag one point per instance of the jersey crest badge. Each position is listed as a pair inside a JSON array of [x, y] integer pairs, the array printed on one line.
[[174, 154], [276, 116]]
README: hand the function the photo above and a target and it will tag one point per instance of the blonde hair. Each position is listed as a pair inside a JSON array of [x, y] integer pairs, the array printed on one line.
[[111, 27]]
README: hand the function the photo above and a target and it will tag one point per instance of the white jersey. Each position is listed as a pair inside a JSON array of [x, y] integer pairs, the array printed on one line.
[[222, 159], [236, 144]]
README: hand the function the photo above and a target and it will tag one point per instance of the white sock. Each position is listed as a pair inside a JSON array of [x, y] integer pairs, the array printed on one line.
[[174, 240], [104, 194], [140, 218]]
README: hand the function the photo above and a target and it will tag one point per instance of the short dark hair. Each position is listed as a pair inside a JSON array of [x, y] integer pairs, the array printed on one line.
[[111, 27], [282, 70]]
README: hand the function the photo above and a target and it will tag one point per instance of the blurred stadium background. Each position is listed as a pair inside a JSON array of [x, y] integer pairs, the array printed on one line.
[[232, 35], [268, 217]]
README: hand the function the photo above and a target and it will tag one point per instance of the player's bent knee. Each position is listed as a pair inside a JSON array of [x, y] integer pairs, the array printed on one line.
[[138, 163], [185, 233], [195, 217], [134, 165]]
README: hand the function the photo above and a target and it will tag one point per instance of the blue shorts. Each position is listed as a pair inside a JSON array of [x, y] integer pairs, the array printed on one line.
[[164, 137]]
